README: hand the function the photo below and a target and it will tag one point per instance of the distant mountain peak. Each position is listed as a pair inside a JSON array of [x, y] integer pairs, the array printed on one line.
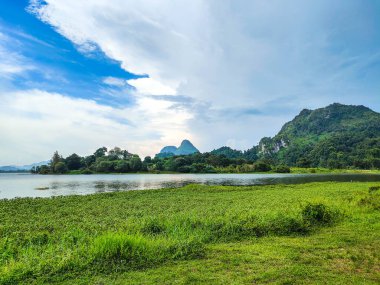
[[28, 167], [185, 148], [186, 143], [169, 149]]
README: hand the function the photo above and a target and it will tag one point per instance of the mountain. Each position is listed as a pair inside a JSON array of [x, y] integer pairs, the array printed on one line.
[[228, 152], [15, 168], [185, 148], [8, 168], [335, 136]]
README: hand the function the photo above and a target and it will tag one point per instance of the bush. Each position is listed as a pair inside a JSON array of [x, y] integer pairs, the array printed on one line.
[[282, 169], [262, 167], [372, 199], [318, 214], [373, 189], [86, 171]]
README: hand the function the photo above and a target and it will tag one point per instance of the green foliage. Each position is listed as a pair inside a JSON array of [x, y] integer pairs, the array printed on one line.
[[338, 136], [372, 199], [86, 171], [115, 160], [135, 163], [335, 137], [319, 214], [139, 251], [140, 236], [104, 166], [57, 165], [122, 166], [262, 166], [282, 169], [228, 152], [60, 168], [73, 162], [100, 152]]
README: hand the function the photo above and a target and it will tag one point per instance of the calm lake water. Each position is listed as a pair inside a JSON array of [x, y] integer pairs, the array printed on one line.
[[28, 185]]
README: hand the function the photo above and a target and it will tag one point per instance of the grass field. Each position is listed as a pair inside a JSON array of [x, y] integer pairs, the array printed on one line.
[[319, 233], [302, 170]]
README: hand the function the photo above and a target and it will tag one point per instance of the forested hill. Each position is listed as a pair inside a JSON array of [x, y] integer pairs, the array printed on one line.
[[335, 136], [338, 136]]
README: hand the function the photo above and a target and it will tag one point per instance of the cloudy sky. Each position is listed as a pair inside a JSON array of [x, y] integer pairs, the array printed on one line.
[[77, 75]]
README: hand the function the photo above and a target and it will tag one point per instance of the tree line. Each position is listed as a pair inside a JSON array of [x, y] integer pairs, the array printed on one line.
[[117, 160]]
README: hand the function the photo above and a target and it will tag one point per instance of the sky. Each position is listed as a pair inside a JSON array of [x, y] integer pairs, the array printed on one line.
[[78, 75]]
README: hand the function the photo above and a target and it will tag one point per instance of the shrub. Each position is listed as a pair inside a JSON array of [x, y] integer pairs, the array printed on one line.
[[262, 167], [373, 189], [372, 199], [318, 214], [282, 169], [86, 171], [284, 225]]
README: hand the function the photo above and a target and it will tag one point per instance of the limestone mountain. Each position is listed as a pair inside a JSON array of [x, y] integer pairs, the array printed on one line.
[[335, 136], [186, 148]]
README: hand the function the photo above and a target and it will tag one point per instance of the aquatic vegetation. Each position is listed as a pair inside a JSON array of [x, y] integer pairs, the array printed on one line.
[[194, 233]]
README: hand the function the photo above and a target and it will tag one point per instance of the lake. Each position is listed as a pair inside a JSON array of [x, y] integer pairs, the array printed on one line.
[[14, 185]]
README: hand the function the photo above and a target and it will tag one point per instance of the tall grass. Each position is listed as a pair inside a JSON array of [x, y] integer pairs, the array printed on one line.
[[46, 239]]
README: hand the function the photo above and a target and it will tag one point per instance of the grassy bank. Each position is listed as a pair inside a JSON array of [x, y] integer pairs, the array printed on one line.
[[285, 234], [300, 170]]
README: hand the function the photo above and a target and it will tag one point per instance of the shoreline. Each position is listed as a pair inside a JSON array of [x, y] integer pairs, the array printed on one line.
[[293, 170]]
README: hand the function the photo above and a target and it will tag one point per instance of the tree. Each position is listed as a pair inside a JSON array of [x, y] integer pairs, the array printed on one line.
[[73, 162], [159, 165], [115, 153], [89, 160], [43, 169], [122, 166], [261, 166], [100, 152], [147, 159], [104, 166], [135, 163], [54, 160], [60, 167]]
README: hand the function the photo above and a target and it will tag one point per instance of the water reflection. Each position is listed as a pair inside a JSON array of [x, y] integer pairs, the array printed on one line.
[[24, 185]]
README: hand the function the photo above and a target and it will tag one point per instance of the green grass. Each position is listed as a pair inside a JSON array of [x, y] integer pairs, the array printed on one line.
[[301, 170], [318, 233]]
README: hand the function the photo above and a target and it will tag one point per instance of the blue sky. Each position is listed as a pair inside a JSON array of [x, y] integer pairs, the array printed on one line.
[[76, 75], [60, 67]]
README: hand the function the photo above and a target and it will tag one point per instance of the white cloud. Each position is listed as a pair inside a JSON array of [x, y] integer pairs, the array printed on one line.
[[35, 123], [11, 62], [150, 86], [113, 81]]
